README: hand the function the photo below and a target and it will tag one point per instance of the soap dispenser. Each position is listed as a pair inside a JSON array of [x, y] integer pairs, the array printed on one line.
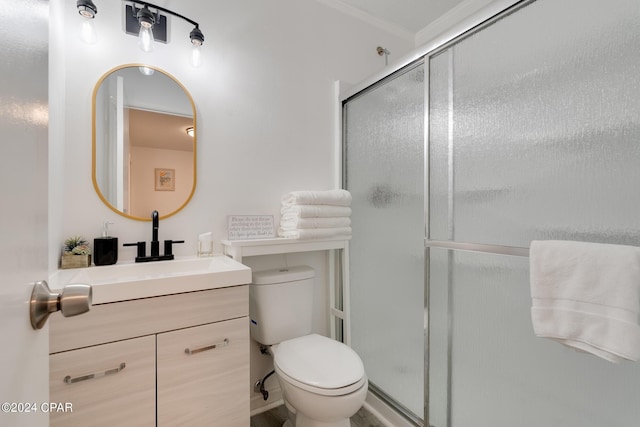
[[105, 248]]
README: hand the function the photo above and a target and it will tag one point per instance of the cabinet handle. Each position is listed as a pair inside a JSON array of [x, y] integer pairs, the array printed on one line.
[[70, 380], [209, 347]]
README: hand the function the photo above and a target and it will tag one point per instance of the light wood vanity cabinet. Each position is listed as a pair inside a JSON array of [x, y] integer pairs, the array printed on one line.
[[209, 386], [126, 395], [175, 360]]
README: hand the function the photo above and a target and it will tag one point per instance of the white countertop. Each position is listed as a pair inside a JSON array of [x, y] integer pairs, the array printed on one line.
[[127, 281]]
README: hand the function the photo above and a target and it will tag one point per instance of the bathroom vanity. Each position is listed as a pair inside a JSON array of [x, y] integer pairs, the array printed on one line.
[[175, 354]]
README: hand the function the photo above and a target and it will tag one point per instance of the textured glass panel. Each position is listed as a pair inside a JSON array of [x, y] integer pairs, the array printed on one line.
[[502, 375], [438, 336], [545, 124], [534, 125], [385, 173], [440, 74]]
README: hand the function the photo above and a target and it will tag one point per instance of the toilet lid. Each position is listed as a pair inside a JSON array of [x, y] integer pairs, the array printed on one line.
[[319, 362]]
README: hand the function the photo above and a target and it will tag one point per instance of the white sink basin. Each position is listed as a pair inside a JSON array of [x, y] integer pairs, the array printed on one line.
[[128, 281]]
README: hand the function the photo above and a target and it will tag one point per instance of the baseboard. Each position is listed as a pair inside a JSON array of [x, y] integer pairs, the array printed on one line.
[[385, 414], [259, 405]]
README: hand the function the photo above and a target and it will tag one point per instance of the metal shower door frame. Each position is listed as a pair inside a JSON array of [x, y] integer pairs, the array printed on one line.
[[494, 11]]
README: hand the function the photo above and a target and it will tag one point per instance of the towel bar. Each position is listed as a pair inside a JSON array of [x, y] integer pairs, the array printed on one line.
[[478, 247]]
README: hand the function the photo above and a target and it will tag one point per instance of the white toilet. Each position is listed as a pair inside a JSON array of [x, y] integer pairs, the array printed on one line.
[[322, 380]]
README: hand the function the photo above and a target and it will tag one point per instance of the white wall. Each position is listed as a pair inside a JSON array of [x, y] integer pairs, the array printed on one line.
[[264, 97], [265, 101]]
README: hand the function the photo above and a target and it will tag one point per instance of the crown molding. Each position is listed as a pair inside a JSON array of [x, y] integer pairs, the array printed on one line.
[[369, 19], [449, 19]]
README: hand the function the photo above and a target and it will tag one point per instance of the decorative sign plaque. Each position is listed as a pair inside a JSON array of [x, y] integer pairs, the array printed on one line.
[[247, 227]]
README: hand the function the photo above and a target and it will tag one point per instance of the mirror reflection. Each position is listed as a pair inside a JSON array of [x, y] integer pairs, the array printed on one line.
[[144, 142]]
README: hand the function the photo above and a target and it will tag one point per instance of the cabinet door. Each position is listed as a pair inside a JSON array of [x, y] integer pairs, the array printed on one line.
[[108, 385], [209, 386]]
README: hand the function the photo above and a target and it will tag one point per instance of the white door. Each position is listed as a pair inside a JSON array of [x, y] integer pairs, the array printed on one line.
[[24, 366]]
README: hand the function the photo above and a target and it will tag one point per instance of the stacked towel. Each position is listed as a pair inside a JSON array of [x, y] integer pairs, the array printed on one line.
[[586, 296], [316, 215]]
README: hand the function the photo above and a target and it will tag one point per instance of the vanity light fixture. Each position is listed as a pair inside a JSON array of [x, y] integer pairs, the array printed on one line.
[[88, 11], [149, 23], [197, 38], [146, 20], [190, 131]]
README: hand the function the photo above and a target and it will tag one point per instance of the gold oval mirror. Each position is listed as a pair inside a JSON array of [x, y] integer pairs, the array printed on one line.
[[144, 142]]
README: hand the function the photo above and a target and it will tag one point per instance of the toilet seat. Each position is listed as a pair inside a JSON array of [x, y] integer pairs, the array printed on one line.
[[322, 391], [319, 365]]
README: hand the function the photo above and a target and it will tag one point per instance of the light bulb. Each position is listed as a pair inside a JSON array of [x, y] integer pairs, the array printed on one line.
[[197, 38], [146, 71], [196, 55], [87, 9], [146, 38], [88, 31]]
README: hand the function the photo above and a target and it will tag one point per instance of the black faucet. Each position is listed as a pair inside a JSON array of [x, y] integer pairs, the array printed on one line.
[[155, 244]]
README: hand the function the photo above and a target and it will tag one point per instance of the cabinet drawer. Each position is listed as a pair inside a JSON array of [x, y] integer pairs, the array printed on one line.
[[209, 387], [124, 396], [135, 318]]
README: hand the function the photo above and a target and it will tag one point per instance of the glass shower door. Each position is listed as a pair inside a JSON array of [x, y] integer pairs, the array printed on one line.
[[384, 171], [534, 125]]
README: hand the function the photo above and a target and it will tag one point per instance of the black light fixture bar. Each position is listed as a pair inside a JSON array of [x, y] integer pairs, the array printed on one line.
[[162, 9], [160, 27], [132, 26]]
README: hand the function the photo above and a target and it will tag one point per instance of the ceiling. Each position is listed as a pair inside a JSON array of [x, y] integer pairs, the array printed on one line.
[[410, 16]]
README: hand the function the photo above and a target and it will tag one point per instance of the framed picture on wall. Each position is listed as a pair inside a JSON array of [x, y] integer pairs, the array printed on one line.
[[165, 179]]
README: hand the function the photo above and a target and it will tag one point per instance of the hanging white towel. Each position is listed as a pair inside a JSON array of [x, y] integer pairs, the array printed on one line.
[[325, 197], [328, 222], [316, 233], [586, 296], [311, 211]]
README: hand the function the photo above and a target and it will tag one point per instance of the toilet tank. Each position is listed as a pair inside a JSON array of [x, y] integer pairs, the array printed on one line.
[[281, 303]]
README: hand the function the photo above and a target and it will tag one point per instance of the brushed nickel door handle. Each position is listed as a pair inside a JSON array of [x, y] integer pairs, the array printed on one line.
[[73, 300]]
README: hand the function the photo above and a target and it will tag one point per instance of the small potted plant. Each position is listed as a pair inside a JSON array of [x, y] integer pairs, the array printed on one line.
[[77, 253]]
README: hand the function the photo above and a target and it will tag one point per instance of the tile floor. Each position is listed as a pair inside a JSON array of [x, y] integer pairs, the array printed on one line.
[[277, 416]]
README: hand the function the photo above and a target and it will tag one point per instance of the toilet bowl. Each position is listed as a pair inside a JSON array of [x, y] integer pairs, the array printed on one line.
[[323, 381]]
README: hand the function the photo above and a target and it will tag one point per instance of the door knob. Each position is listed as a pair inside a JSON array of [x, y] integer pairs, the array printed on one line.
[[73, 300]]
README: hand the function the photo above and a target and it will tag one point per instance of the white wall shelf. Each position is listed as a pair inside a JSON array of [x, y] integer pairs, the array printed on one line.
[[338, 278], [237, 249]]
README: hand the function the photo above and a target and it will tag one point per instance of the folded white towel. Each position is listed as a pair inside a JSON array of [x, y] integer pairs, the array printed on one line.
[[586, 296], [325, 197], [328, 222], [316, 233], [311, 211]]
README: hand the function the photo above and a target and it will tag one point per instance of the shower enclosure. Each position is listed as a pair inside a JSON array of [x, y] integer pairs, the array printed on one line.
[[384, 134], [526, 127]]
